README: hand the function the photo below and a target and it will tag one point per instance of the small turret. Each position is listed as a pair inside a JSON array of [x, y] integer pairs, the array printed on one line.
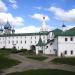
[[63, 27]]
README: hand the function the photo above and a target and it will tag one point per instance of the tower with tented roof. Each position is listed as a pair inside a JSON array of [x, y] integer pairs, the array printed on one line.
[[44, 26]]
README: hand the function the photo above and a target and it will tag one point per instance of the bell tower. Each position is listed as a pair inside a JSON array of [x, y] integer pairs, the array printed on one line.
[[44, 26]]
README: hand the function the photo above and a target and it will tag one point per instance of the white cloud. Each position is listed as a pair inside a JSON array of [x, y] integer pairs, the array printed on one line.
[[70, 26], [31, 29], [13, 20], [28, 29], [39, 16], [14, 6], [2, 7], [61, 14], [18, 21], [13, 3], [38, 8]]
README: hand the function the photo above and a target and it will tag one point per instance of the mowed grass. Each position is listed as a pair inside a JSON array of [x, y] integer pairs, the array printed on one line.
[[44, 72], [37, 57], [5, 52], [69, 61], [6, 62]]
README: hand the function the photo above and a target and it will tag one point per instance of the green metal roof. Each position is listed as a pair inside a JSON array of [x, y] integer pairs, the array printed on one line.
[[70, 32], [25, 34], [40, 43], [57, 32]]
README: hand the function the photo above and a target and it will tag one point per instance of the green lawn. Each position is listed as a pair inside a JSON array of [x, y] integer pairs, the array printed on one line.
[[6, 62], [44, 72], [69, 61], [37, 57], [5, 51]]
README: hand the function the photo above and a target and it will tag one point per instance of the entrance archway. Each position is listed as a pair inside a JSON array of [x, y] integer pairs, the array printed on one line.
[[32, 47]]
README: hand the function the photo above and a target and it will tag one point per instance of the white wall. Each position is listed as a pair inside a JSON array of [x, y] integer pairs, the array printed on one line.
[[30, 40], [66, 45]]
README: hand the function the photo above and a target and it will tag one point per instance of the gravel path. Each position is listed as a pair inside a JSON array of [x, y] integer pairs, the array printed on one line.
[[28, 64]]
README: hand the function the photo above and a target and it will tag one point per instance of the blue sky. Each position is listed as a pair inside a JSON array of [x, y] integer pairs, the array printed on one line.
[[28, 13]]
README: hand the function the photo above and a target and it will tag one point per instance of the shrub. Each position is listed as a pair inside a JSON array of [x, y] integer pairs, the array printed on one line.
[[24, 50], [14, 50]]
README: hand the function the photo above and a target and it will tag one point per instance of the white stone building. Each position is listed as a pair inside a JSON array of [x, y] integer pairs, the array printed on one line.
[[57, 42]]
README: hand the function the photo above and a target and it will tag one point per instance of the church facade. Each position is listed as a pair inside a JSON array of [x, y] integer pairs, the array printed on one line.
[[60, 42]]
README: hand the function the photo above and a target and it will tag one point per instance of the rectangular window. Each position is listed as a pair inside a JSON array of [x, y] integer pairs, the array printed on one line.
[[21, 36], [25, 37], [18, 47], [46, 46], [3, 38], [44, 37], [17, 37], [71, 38], [66, 39], [65, 52], [31, 37], [21, 41], [35, 41], [35, 37], [71, 52], [12, 42], [22, 47], [16, 41], [25, 42], [9, 42]]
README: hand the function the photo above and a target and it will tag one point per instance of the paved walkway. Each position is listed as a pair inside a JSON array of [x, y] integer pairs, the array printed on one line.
[[28, 64], [49, 59]]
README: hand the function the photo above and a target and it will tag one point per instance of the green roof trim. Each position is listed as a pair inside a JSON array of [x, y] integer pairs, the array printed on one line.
[[24, 34], [40, 43]]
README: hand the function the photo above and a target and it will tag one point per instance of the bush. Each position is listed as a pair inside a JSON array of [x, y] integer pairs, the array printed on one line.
[[14, 50], [24, 50], [8, 49]]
